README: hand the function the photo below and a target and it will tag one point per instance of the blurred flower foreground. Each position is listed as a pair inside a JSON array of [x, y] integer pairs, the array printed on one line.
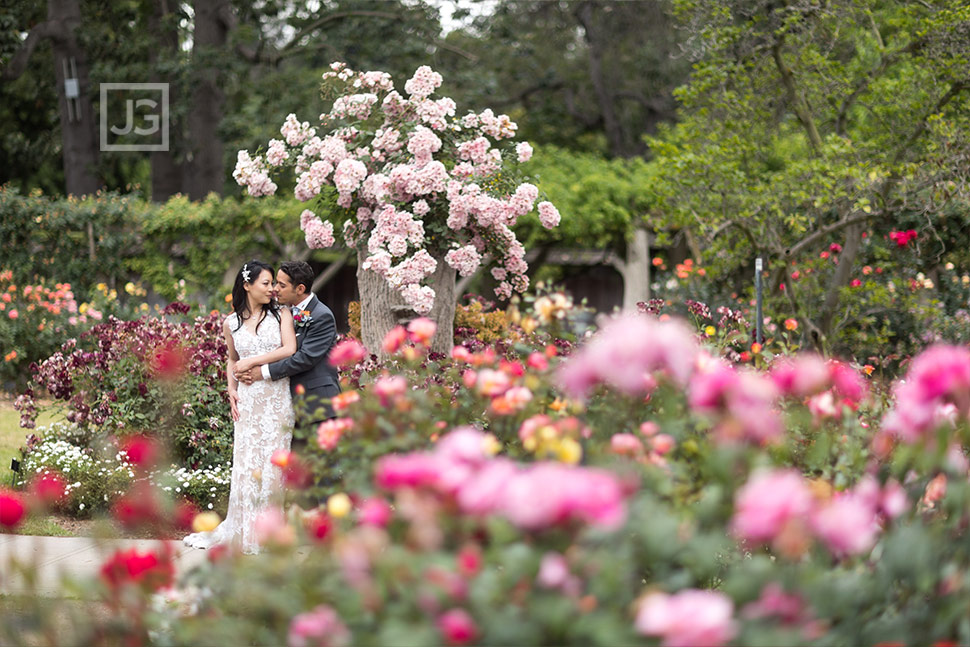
[[628, 485]]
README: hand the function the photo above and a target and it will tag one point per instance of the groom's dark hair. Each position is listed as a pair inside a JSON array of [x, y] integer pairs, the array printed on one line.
[[300, 272]]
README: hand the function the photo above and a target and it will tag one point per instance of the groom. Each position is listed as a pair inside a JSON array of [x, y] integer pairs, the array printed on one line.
[[316, 330]]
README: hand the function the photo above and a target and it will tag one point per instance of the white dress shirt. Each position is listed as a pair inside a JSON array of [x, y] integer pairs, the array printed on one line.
[[264, 369]]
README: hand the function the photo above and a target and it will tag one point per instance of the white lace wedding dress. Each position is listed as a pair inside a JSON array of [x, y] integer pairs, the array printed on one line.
[[265, 424]]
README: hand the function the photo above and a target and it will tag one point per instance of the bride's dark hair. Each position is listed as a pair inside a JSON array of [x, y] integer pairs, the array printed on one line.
[[249, 272]]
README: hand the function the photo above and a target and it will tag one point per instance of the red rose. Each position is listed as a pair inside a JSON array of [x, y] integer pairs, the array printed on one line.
[[149, 570], [11, 509], [48, 489]]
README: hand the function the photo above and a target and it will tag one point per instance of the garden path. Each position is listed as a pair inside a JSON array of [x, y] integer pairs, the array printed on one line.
[[77, 558]]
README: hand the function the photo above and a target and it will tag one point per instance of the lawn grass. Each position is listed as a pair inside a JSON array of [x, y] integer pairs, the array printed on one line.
[[43, 526], [13, 437]]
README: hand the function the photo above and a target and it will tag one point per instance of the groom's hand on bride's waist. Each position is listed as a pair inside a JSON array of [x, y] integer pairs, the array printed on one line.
[[252, 375]]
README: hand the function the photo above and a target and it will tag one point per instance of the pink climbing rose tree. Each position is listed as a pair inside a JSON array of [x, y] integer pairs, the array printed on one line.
[[422, 194]]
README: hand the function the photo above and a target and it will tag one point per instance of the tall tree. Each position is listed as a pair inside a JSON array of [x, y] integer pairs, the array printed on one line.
[[204, 167], [592, 75], [589, 76], [166, 167], [808, 123], [80, 146]]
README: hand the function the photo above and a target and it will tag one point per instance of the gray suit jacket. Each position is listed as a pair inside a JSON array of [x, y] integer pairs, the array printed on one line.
[[310, 365]]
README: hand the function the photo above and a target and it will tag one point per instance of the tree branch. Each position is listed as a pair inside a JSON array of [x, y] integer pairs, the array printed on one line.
[[850, 250], [319, 22], [445, 45], [331, 271], [734, 223], [53, 29], [653, 105], [863, 83], [816, 335], [570, 104], [271, 232], [615, 132], [526, 93], [825, 231], [797, 100], [955, 88]]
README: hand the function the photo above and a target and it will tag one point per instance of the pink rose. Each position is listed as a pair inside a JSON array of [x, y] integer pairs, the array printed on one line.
[[421, 331], [457, 627], [374, 512], [347, 353], [847, 525], [767, 502], [690, 618], [320, 627], [625, 444], [390, 388], [394, 339], [553, 571]]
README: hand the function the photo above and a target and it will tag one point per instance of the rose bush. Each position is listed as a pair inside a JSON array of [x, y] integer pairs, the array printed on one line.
[[635, 489], [166, 376]]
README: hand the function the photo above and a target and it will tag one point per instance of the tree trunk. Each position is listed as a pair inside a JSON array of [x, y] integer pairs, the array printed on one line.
[[204, 168], [604, 95], [636, 270], [78, 121], [853, 239], [166, 171], [382, 308]]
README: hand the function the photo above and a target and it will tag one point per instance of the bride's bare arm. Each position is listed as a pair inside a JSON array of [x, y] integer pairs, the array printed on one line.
[[288, 334]]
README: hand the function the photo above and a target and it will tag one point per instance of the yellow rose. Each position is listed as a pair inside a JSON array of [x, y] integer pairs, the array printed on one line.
[[570, 451], [491, 445], [205, 522], [339, 505]]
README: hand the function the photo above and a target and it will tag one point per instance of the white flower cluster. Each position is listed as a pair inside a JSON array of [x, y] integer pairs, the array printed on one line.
[[212, 481], [83, 472]]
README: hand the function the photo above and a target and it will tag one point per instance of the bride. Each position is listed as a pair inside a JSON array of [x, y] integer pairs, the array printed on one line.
[[257, 332]]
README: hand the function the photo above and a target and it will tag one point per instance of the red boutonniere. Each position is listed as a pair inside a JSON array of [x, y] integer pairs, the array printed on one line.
[[301, 319]]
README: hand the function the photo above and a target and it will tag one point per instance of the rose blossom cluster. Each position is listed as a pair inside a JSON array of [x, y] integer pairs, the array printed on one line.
[[253, 173], [782, 508], [385, 154], [828, 384], [743, 401], [532, 497], [626, 353], [936, 389], [319, 234]]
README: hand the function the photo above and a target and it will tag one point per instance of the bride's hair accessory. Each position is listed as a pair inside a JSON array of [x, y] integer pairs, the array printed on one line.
[[245, 273]]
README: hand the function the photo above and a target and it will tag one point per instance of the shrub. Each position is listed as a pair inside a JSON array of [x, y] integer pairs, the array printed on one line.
[[166, 377], [113, 239]]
